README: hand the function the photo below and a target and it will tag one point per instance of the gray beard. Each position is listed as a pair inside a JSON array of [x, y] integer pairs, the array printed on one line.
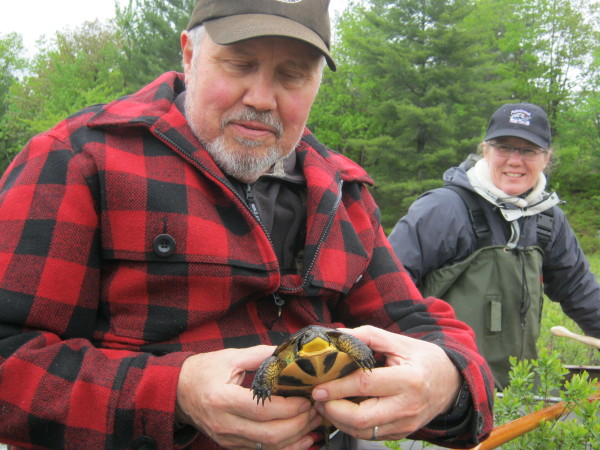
[[245, 167]]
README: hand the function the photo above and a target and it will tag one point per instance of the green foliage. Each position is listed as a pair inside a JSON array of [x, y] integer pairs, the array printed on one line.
[[536, 384], [150, 31], [11, 62], [76, 69], [533, 383]]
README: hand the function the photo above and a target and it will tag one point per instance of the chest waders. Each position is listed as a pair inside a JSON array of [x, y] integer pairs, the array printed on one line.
[[498, 291]]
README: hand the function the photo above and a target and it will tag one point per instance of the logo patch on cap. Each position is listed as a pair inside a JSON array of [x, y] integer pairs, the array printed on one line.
[[520, 117]]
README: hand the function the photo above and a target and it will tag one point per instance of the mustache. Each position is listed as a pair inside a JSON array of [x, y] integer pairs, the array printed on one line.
[[252, 115]]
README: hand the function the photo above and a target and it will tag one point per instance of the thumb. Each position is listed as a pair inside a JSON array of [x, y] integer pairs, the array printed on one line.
[[250, 359], [380, 340]]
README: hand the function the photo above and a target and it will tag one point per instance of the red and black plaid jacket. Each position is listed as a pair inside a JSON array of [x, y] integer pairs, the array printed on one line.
[[124, 249]]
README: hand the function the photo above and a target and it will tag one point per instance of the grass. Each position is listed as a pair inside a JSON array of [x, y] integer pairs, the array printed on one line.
[[571, 352]]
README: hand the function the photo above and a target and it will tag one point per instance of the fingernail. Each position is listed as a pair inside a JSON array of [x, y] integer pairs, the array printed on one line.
[[319, 394]]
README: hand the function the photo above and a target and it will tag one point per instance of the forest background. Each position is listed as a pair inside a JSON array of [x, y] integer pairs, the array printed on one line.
[[417, 81]]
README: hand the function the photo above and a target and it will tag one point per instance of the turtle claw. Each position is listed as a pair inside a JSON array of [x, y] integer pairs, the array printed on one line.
[[261, 394]]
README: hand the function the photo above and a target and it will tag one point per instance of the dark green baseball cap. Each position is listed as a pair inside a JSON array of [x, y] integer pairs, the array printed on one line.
[[230, 21]]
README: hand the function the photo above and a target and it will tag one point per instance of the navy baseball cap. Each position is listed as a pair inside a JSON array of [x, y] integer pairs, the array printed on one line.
[[522, 120]]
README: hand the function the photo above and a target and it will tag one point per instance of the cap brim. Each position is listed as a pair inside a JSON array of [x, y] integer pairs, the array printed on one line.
[[523, 134], [231, 29]]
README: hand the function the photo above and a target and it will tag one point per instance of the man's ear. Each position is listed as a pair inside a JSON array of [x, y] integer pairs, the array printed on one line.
[[187, 49]]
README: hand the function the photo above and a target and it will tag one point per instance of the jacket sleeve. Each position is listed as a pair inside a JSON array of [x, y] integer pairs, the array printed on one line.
[[56, 388], [386, 297], [568, 278], [435, 232]]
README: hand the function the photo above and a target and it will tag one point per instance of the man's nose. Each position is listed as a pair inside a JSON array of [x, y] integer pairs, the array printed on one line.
[[260, 93]]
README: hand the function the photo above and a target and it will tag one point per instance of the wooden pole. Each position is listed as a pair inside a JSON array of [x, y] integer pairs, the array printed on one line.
[[588, 340], [511, 430]]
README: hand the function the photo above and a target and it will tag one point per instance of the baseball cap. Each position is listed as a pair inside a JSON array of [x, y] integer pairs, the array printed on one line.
[[522, 120], [230, 21]]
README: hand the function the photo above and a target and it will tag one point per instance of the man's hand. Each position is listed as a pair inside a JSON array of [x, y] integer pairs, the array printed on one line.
[[210, 398], [418, 383]]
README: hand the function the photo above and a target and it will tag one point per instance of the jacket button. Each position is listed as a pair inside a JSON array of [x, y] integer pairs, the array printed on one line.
[[144, 443], [164, 245]]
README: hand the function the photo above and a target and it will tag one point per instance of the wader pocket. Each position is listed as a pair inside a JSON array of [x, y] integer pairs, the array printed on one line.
[[494, 314]]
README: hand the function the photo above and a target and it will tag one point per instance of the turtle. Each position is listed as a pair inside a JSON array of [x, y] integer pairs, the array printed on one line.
[[310, 356]]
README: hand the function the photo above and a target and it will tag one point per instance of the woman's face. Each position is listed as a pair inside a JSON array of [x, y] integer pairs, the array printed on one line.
[[512, 172]]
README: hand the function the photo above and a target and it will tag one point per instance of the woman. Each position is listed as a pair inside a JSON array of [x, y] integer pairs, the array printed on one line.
[[486, 240]]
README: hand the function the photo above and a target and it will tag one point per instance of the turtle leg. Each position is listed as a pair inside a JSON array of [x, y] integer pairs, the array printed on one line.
[[357, 350], [266, 378]]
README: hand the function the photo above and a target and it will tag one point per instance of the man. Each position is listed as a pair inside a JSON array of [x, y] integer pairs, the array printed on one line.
[[156, 248]]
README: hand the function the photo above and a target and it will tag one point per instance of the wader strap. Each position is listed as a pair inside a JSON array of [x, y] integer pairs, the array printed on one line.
[[478, 220], [545, 221]]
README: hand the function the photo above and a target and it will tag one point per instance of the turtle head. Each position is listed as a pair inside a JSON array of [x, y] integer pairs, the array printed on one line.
[[313, 342]]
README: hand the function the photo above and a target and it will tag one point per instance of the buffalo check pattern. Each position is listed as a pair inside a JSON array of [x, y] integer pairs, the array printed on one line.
[[96, 318]]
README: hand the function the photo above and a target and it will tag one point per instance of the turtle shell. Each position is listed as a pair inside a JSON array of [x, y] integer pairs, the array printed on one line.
[[311, 356]]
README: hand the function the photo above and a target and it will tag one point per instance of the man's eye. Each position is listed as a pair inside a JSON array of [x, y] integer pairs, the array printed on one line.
[[238, 65], [528, 151], [293, 75], [505, 148]]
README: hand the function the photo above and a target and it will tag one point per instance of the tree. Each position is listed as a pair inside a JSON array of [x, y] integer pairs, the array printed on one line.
[[543, 45], [77, 69], [422, 82], [150, 31], [11, 62]]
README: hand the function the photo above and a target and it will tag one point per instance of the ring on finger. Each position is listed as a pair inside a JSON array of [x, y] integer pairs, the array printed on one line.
[[375, 436], [258, 446]]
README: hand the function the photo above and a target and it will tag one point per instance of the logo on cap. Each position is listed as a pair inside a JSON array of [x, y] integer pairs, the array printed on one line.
[[520, 117]]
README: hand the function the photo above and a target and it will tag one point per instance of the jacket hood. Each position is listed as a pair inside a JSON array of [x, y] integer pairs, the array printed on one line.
[[457, 176]]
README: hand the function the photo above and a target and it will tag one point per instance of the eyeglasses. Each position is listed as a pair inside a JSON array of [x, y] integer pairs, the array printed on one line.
[[528, 153]]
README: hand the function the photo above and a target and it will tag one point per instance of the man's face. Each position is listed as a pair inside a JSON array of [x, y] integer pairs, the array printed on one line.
[[248, 102]]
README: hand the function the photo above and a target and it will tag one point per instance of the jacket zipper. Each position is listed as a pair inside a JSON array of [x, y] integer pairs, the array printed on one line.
[[328, 225], [251, 200]]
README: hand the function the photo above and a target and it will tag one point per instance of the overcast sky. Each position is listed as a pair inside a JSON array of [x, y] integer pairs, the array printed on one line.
[[34, 18]]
